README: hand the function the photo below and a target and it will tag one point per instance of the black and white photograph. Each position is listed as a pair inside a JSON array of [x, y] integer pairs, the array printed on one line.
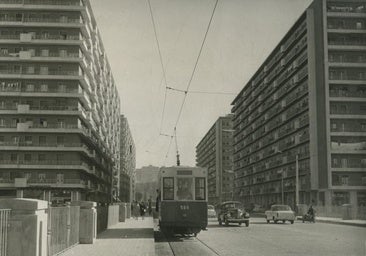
[[182, 127]]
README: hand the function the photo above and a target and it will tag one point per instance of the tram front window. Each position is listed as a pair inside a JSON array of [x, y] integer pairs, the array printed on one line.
[[185, 189], [168, 188], [200, 188]]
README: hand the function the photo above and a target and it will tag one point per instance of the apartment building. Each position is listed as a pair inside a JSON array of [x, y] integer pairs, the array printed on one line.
[[59, 105], [128, 163], [215, 152], [303, 113]]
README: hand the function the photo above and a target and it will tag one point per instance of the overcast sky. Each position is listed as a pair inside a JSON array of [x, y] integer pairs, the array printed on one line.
[[242, 34]]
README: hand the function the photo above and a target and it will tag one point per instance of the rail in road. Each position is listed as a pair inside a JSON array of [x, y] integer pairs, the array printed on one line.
[[179, 245]]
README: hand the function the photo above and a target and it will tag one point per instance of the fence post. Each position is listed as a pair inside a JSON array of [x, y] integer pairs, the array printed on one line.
[[87, 221], [27, 232], [68, 224]]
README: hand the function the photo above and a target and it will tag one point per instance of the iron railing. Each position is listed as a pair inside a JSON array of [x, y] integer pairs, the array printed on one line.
[[4, 222]]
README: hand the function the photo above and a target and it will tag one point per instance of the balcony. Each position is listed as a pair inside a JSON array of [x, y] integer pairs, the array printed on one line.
[[348, 96], [39, 21], [39, 57], [28, 146], [47, 164], [57, 183], [349, 148], [356, 10], [42, 39]]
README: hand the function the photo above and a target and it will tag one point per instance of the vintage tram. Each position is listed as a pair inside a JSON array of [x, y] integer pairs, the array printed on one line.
[[183, 200]]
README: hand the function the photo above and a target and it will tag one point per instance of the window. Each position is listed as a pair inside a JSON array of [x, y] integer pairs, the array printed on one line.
[[344, 180], [42, 177], [13, 157], [60, 140], [44, 87], [27, 157], [61, 122], [29, 87], [28, 140], [45, 52], [41, 157], [185, 189], [168, 188], [42, 140], [2, 140], [30, 70], [43, 122], [200, 189], [59, 178], [363, 180], [2, 122], [44, 70]]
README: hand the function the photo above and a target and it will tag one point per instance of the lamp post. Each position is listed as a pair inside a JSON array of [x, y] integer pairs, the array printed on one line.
[[282, 192], [297, 181]]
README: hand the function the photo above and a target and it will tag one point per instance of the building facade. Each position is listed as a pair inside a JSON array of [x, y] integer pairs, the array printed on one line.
[[128, 163], [59, 105], [300, 120], [215, 152], [146, 183]]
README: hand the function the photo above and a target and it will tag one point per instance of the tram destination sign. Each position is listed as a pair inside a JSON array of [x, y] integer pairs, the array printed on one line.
[[184, 172]]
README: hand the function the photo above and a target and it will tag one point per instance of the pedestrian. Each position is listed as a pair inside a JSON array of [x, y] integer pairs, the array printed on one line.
[[142, 209], [157, 200], [149, 208], [135, 210]]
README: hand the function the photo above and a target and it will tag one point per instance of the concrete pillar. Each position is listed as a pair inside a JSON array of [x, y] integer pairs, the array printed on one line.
[[128, 210], [353, 202], [122, 212], [88, 221], [27, 232], [328, 198]]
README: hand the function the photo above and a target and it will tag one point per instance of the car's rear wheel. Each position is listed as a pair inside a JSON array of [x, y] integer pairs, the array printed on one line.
[[292, 222], [283, 221], [274, 220], [247, 223], [239, 223], [268, 221], [220, 222]]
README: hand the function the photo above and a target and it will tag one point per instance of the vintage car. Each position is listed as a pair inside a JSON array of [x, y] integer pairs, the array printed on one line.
[[280, 213], [211, 213], [232, 212]]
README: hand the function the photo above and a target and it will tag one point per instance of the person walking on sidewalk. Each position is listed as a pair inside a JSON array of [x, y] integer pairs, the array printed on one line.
[[135, 210], [149, 208], [142, 209]]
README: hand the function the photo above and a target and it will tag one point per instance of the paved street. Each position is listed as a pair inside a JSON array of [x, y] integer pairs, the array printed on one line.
[[300, 238]]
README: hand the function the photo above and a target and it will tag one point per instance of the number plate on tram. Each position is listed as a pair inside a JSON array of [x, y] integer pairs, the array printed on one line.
[[184, 207]]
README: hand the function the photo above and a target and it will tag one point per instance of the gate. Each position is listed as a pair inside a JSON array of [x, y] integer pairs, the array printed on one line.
[[4, 219]]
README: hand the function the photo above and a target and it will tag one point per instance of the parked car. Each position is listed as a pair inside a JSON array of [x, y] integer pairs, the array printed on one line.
[[211, 213], [232, 212], [280, 213]]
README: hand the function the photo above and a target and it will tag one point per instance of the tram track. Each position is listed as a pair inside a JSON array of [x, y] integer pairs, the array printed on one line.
[[179, 245]]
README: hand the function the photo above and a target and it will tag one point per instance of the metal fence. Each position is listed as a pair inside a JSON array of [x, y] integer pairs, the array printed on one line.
[[4, 219], [63, 228]]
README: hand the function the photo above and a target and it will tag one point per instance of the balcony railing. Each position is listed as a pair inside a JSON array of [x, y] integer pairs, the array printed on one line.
[[345, 76], [52, 20], [39, 55], [52, 2], [341, 93], [354, 8], [347, 58], [56, 181], [352, 26], [349, 128], [348, 146], [355, 42], [43, 162], [49, 72]]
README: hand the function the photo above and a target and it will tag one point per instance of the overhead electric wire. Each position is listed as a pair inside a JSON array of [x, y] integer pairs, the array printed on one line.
[[202, 92], [161, 63], [195, 65], [167, 153]]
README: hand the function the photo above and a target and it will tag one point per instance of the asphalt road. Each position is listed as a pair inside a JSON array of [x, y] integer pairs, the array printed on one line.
[[299, 238]]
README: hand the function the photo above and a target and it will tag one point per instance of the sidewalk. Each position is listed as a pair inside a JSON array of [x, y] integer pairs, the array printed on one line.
[[358, 223], [132, 237]]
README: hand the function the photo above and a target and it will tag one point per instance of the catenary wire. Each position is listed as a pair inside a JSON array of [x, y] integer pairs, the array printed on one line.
[[195, 65], [201, 92]]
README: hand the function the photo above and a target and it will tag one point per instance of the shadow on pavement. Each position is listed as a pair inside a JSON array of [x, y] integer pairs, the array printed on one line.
[[161, 237], [127, 233]]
